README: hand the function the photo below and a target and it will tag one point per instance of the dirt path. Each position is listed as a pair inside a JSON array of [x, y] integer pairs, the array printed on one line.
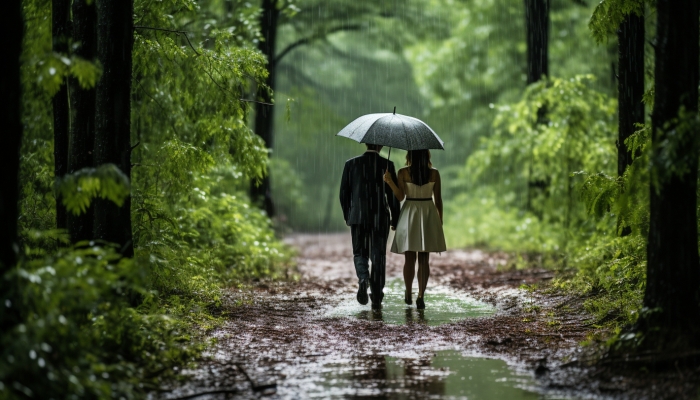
[[280, 340]]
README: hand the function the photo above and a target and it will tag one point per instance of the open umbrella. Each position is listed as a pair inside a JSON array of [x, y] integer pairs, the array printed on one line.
[[393, 130]]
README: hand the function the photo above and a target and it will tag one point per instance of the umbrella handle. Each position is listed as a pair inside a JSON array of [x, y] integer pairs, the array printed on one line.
[[388, 159]]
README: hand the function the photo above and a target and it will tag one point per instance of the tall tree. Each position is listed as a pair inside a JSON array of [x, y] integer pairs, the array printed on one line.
[[673, 273], [630, 88], [115, 42], [60, 32], [537, 28], [12, 30], [82, 100], [264, 116], [630, 83], [537, 39]]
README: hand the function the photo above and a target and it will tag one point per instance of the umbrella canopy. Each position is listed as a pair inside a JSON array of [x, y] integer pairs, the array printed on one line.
[[393, 130]]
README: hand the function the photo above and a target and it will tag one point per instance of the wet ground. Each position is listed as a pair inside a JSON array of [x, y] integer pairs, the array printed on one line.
[[483, 335]]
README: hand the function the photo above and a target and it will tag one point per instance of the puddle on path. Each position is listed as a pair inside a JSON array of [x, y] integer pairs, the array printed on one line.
[[442, 305], [447, 375]]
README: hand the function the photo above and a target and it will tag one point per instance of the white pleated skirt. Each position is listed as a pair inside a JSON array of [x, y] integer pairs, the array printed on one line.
[[419, 228]]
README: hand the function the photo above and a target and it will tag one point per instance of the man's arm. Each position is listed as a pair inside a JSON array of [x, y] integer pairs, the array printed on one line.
[[394, 204], [345, 192]]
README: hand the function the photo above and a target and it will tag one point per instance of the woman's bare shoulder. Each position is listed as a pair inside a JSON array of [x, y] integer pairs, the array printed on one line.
[[434, 174]]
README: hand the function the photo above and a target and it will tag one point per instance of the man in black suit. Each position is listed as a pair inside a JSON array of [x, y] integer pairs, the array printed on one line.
[[369, 207]]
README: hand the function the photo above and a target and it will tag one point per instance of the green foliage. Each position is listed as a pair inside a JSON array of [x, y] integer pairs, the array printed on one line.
[[443, 61], [208, 237], [106, 181], [609, 14], [81, 337], [94, 325], [583, 208], [193, 226], [577, 134], [611, 264], [599, 191], [612, 271], [291, 199], [675, 147], [44, 69], [482, 218]]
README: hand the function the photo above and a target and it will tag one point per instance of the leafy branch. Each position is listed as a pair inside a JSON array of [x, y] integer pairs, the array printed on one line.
[[79, 188], [183, 33]]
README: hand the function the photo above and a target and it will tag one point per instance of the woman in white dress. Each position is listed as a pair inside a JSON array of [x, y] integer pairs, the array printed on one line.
[[419, 230]]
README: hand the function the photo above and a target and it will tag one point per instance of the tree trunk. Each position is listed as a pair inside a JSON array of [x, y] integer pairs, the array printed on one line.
[[115, 42], [630, 84], [60, 31], [537, 39], [630, 89], [264, 115], [673, 272], [537, 26], [82, 128], [12, 30]]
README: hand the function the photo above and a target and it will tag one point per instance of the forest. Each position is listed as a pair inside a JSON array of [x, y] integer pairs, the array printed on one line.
[[160, 154]]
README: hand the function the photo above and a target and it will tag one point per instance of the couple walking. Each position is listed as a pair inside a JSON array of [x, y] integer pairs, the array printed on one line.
[[370, 196]]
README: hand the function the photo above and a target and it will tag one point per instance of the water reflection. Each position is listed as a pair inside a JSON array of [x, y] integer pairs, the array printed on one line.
[[443, 305], [415, 316], [370, 315], [447, 374]]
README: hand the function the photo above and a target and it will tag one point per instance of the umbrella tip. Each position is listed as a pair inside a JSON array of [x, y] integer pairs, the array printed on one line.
[[394, 110]]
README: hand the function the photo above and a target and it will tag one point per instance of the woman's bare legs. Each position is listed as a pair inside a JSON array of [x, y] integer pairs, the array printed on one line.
[[423, 272], [409, 271]]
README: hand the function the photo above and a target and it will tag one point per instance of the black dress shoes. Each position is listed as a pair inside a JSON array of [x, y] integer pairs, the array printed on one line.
[[407, 298], [362, 292]]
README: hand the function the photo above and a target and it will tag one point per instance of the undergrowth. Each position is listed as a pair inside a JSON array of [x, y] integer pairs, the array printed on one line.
[[546, 191], [81, 321]]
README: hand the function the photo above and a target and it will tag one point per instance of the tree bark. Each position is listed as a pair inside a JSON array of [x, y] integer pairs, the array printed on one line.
[[12, 30], [115, 41], [673, 272], [60, 32], [630, 89], [82, 128], [630, 84], [264, 115], [537, 26]]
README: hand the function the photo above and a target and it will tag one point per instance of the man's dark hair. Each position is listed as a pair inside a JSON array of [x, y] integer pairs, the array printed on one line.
[[371, 146]]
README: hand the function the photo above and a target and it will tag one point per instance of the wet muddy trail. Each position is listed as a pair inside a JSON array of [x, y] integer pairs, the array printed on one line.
[[480, 337]]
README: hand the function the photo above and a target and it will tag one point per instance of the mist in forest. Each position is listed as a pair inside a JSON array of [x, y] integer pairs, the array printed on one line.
[[450, 66]]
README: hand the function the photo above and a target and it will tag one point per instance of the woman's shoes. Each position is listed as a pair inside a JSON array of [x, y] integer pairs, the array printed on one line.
[[420, 304], [407, 298]]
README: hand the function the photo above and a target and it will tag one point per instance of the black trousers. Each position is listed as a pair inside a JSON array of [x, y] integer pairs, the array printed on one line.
[[369, 244]]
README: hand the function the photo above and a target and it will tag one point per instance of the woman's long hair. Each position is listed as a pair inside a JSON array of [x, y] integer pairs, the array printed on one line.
[[419, 165]]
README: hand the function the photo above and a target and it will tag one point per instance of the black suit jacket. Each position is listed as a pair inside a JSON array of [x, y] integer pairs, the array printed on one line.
[[364, 196]]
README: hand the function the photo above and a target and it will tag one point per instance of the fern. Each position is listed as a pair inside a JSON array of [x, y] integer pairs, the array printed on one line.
[[599, 192]]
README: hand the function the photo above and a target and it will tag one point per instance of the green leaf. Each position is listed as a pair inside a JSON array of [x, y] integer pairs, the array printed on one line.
[[80, 188]]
